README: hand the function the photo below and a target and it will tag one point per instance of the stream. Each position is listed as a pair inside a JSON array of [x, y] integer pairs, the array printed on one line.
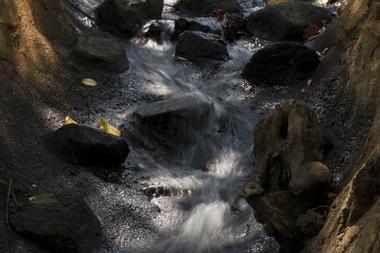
[[195, 177]]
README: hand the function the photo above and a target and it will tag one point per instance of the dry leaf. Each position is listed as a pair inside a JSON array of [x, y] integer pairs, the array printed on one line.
[[108, 128], [89, 82], [69, 120]]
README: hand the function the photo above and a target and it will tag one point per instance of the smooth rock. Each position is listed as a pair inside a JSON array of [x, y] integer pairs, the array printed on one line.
[[63, 223], [88, 146], [283, 63], [285, 21], [101, 51], [198, 46], [129, 15], [204, 8]]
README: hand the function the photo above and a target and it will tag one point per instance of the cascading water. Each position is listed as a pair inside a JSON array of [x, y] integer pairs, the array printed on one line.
[[196, 183]]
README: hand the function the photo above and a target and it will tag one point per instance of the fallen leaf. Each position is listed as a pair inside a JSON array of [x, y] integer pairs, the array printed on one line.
[[46, 195], [69, 120], [89, 82], [108, 128]]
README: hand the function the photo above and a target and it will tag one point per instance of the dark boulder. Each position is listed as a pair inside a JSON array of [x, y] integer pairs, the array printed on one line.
[[128, 15], [154, 32], [62, 223], [198, 46], [233, 26], [282, 63], [289, 177], [171, 122], [88, 146], [285, 21], [101, 51], [203, 8], [200, 24]]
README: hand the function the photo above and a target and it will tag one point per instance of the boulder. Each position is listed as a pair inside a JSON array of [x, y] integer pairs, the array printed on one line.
[[283, 63], [198, 46], [285, 21], [129, 15], [101, 51], [289, 177], [319, 2], [199, 24], [202, 8], [172, 122], [88, 146], [63, 223], [233, 26]]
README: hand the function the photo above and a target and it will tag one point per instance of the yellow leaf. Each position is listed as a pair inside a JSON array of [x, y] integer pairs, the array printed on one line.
[[108, 128], [69, 120], [89, 82], [46, 195]]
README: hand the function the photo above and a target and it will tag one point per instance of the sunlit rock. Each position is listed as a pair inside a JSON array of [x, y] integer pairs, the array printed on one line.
[[289, 177]]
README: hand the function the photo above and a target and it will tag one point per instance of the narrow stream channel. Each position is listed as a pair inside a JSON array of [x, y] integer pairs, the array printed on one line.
[[198, 181]]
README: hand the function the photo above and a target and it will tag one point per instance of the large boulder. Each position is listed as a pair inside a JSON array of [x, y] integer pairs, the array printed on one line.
[[202, 8], [285, 21], [88, 146], [172, 122], [129, 15], [289, 177], [198, 46], [63, 223], [101, 51], [283, 63]]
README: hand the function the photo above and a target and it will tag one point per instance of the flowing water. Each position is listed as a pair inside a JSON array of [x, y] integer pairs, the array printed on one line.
[[197, 181]]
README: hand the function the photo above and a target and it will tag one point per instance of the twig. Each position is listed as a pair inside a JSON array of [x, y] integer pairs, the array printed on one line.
[[14, 198], [7, 208]]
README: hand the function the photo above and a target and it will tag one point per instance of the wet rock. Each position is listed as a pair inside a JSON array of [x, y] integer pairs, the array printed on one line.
[[201, 25], [154, 32], [63, 223], [320, 2], [101, 51], [285, 21], [88, 146], [128, 15], [198, 46], [172, 122], [233, 26], [202, 8], [283, 63], [289, 177]]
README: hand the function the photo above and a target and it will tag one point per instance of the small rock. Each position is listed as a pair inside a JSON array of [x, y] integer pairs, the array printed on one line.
[[102, 51], [201, 25], [198, 46]]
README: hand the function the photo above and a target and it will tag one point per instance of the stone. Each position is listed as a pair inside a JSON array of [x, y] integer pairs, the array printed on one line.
[[87, 146], [62, 223], [283, 63], [129, 15], [198, 46], [285, 21], [198, 24], [101, 51], [204, 8]]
